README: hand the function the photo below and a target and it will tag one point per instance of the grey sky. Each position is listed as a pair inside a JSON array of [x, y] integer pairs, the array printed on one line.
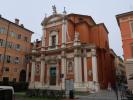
[[32, 12]]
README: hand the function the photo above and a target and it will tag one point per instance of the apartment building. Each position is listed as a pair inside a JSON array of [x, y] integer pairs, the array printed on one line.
[[125, 22], [15, 43]]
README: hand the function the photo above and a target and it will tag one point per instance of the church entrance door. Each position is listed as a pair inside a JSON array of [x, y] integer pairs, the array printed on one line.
[[53, 76]]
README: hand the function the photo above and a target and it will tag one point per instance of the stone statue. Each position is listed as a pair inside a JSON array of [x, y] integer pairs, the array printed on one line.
[[64, 12], [76, 38], [54, 9]]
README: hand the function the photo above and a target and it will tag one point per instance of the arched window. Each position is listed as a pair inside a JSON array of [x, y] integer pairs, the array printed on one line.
[[22, 77]]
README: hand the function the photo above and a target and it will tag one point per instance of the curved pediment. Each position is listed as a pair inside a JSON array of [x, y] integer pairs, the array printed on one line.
[[51, 19]]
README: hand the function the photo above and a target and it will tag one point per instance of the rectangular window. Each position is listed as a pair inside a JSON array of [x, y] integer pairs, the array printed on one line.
[[13, 46], [4, 43], [2, 30], [25, 39], [9, 44], [0, 57], [17, 47], [1, 42], [53, 40], [19, 36], [17, 60], [6, 69], [12, 60], [13, 34], [8, 60]]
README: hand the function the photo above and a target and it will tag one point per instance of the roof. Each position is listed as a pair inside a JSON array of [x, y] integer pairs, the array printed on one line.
[[17, 25], [82, 15], [123, 15], [113, 52], [104, 27]]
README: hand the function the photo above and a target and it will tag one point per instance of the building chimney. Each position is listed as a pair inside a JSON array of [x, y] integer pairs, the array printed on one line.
[[22, 25], [17, 21], [37, 40]]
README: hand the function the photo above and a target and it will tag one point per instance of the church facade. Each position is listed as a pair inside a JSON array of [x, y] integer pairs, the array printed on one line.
[[73, 47]]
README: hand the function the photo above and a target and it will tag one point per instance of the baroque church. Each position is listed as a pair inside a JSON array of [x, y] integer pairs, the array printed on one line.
[[73, 47]]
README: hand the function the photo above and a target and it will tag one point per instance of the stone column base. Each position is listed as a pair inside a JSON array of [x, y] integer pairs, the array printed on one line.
[[86, 87], [31, 85]]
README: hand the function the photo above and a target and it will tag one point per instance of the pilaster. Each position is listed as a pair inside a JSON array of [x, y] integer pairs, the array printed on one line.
[[94, 70], [63, 69], [64, 31], [33, 71], [43, 39], [27, 73], [42, 69], [85, 66], [77, 68]]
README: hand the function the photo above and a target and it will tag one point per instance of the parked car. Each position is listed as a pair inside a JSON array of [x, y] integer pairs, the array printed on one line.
[[7, 93]]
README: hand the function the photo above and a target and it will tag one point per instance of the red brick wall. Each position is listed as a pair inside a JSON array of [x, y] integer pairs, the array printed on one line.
[[126, 32]]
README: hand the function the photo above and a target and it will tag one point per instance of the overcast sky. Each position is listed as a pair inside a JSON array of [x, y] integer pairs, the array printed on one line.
[[32, 12]]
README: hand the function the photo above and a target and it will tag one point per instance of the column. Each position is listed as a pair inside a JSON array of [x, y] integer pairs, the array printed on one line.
[[27, 73], [43, 38], [64, 31], [33, 71], [63, 69], [85, 66], [94, 70], [43, 58], [32, 84], [42, 69], [77, 68], [57, 74], [48, 74]]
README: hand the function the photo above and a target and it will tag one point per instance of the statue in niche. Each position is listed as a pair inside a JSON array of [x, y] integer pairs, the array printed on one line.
[[70, 67], [76, 38], [37, 68]]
